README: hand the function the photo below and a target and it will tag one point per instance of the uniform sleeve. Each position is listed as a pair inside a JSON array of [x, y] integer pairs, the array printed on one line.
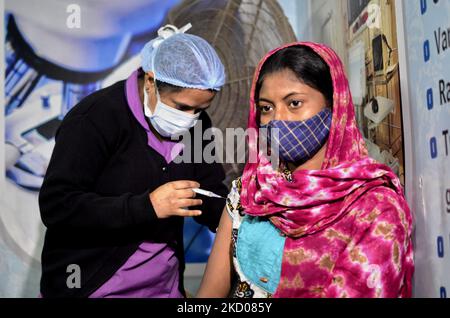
[[211, 177], [67, 197], [379, 262]]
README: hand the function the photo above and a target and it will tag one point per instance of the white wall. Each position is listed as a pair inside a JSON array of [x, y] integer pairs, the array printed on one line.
[[322, 21], [298, 13]]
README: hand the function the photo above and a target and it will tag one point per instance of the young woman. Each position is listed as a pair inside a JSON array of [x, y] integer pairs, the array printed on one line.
[[113, 199], [330, 221]]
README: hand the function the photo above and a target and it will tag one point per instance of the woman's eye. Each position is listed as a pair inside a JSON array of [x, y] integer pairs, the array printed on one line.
[[265, 108], [296, 104]]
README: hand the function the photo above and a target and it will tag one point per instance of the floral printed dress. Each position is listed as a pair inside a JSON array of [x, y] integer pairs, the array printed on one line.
[[261, 248]]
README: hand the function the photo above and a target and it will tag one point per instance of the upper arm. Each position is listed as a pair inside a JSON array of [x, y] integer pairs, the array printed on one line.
[[84, 143], [217, 279], [78, 157], [68, 198]]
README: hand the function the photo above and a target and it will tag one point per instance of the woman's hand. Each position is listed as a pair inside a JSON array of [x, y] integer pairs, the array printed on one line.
[[173, 199]]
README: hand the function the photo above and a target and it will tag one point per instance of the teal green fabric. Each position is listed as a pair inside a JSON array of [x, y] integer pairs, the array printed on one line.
[[259, 251]]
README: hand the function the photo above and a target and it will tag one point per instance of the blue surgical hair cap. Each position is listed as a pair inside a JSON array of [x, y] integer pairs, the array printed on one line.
[[183, 60]]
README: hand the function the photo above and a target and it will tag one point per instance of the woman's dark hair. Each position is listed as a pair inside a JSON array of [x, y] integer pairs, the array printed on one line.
[[306, 64]]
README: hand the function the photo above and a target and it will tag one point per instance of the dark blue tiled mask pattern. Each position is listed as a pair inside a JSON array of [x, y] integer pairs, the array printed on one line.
[[299, 141]]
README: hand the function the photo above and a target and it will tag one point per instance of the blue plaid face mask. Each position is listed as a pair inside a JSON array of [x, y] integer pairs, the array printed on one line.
[[299, 141]]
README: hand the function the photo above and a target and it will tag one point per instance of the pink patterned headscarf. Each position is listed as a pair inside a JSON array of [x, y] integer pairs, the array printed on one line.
[[348, 225]]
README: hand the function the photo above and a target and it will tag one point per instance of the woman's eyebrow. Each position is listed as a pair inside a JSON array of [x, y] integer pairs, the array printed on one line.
[[264, 100], [285, 97], [293, 93]]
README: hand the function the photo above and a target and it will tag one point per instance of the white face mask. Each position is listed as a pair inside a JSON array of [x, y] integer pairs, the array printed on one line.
[[167, 120]]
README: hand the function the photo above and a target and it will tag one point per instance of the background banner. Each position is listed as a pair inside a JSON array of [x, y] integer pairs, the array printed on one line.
[[425, 67]]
